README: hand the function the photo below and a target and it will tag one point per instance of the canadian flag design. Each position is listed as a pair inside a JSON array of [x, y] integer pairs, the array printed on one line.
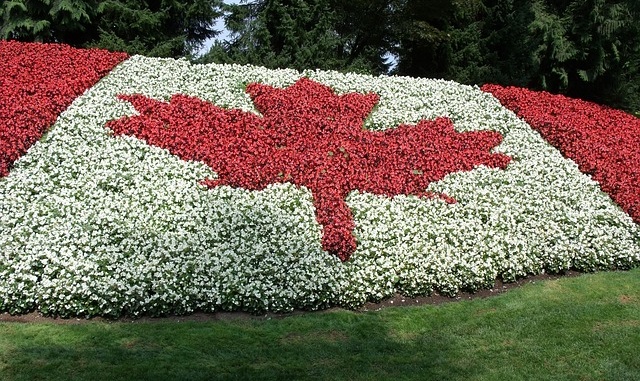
[[135, 185]]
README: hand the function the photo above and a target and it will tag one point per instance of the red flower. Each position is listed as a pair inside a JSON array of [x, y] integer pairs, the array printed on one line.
[[310, 137], [37, 82], [605, 143]]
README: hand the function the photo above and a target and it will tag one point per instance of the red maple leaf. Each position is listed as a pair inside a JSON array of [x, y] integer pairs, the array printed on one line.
[[309, 136]]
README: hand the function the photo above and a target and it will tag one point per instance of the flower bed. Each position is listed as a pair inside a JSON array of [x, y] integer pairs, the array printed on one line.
[[310, 137], [108, 214], [37, 82], [604, 142]]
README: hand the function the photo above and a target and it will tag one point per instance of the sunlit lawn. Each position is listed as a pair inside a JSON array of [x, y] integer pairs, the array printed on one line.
[[585, 328]]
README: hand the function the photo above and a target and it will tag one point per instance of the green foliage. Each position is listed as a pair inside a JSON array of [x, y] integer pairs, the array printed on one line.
[[366, 30], [583, 48], [586, 49], [46, 20], [324, 34], [422, 34], [166, 28], [277, 34]]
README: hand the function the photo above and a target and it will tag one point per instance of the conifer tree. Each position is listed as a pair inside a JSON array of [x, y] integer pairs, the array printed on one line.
[[583, 48], [168, 28], [303, 34], [47, 20], [164, 28], [422, 34]]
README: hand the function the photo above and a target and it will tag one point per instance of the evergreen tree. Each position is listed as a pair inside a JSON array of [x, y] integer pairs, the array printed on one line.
[[583, 48], [493, 44], [422, 34], [164, 28], [587, 49], [47, 20], [277, 33], [366, 30], [168, 28], [303, 34], [605, 40]]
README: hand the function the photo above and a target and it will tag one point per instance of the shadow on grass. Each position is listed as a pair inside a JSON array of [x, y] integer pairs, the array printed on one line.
[[343, 346], [585, 328]]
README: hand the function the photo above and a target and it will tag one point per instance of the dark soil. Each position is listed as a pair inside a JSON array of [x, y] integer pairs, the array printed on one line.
[[396, 301]]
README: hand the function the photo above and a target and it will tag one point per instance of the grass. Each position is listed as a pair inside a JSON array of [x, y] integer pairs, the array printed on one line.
[[585, 328]]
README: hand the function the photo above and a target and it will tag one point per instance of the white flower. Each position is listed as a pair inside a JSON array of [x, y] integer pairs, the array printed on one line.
[[95, 224]]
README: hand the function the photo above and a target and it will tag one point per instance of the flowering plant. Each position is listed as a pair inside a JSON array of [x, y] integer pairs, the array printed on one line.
[[604, 142], [38, 82], [108, 214], [312, 138]]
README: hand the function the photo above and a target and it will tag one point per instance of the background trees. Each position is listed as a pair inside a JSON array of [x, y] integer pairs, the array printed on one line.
[[422, 34], [588, 49], [166, 28], [324, 34], [584, 48]]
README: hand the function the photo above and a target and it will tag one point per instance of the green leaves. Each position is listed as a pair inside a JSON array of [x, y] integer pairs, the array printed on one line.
[[72, 11], [165, 28], [586, 49], [16, 23], [324, 34]]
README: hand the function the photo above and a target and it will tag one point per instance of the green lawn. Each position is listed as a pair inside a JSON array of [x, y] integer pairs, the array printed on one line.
[[584, 328]]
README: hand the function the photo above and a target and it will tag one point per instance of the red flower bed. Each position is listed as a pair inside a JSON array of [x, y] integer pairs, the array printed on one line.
[[604, 142], [37, 82], [310, 137]]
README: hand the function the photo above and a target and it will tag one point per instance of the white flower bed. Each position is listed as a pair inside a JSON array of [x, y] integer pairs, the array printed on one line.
[[92, 224]]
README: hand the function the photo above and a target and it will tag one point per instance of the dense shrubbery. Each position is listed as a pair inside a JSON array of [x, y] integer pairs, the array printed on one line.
[[586, 49]]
